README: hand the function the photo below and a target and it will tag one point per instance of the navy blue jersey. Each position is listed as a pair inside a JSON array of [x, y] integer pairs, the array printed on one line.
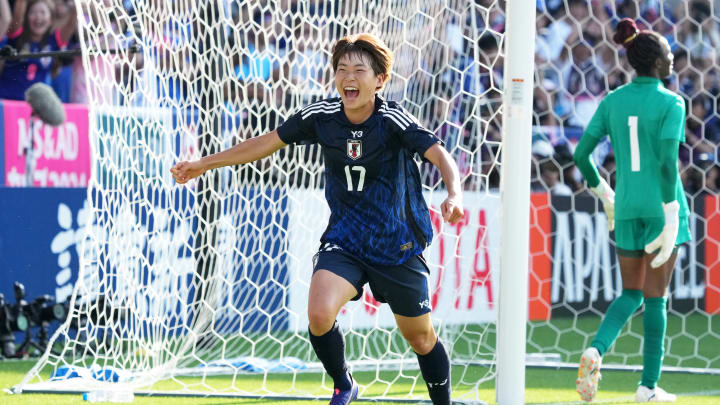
[[373, 186]]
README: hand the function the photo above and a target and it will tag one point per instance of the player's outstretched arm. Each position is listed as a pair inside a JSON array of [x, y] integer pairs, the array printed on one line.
[[452, 207], [247, 151], [18, 16], [5, 17]]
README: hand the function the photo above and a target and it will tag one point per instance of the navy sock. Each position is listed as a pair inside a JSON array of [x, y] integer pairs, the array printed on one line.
[[330, 349], [435, 369]]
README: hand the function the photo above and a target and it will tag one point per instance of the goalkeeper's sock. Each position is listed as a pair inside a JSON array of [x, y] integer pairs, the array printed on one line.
[[330, 349], [435, 369], [617, 314], [654, 324]]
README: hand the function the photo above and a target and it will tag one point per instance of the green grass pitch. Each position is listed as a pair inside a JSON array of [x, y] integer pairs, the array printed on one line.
[[695, 334]]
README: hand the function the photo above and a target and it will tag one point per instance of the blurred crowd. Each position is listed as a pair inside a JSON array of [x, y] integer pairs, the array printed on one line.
[[577, 64], [277, 62]]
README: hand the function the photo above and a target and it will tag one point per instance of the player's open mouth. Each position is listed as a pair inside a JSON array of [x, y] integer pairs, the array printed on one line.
[[351, 93]]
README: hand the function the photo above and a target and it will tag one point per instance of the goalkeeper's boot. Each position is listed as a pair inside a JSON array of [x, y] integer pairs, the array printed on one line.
[[588, 374], [345, 397], [645, 394]]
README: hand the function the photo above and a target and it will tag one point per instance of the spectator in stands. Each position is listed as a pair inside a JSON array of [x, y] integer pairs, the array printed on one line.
[[550, 176], [564, 29], [701, 124], [543, 113], [712, 180], [5, 18], [307, 62], [585, 84], [260, 60], [692, 179], [62, 69], [106, 69], [31, 31]]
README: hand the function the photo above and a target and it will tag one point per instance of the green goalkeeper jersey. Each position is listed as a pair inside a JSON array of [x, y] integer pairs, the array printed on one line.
[[638, 117]]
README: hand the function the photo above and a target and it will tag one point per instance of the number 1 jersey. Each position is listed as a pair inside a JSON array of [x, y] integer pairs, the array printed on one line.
[[373, 185], [637, 116]]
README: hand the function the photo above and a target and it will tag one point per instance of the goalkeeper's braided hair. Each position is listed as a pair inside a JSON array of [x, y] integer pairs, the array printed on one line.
[[643, 47]]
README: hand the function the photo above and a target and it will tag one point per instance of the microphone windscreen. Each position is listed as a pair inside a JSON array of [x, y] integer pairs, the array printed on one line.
[[45, 103]]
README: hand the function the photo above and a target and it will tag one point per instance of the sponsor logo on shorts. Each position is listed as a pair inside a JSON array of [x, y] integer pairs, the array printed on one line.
[[439, 384], [425, 304]]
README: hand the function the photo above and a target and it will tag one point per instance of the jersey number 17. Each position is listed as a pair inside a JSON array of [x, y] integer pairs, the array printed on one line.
[[349, 177]]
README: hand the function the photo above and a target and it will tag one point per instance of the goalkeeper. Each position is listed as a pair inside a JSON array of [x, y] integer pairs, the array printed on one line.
[[379, 223], [646, 123]]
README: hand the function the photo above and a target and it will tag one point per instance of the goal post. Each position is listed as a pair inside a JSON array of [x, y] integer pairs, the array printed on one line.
[[515, 201]]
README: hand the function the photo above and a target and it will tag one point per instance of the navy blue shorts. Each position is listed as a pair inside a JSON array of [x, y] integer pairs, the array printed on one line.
[[405, 287]]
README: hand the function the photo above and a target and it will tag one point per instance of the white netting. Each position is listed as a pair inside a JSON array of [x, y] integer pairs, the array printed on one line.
[[198, 87], [179, 284], [577, 64]]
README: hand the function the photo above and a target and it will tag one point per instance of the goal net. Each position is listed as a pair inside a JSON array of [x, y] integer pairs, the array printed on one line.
[[202, 289]]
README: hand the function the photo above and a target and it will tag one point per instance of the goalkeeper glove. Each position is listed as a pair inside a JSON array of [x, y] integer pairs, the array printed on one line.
[[666, 240], [606, 194]]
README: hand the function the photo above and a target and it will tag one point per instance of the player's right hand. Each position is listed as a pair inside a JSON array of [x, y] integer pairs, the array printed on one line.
[[666, 240], [184, 171], [607, 195]]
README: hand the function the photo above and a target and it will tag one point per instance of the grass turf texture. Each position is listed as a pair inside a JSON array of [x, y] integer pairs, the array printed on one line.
[[544, 386], [692, 334]]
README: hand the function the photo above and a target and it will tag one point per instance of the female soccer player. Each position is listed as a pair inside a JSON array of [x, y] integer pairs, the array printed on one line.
[[379, 222], [646, 123]]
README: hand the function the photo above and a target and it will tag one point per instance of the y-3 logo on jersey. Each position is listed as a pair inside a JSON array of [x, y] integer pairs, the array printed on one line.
[[354, 149], [356, 134]]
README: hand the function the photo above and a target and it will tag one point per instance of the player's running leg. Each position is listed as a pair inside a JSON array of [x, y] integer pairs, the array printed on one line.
[[654, 326], [588, 374], [632, 268], [328, 293], [433, 359]]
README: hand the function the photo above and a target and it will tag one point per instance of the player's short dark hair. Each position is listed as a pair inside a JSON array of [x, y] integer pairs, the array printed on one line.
[[643, 47], [381, 58]]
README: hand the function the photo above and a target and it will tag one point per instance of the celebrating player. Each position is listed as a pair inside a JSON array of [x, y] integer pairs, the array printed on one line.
[[649, 213], [379, 223]]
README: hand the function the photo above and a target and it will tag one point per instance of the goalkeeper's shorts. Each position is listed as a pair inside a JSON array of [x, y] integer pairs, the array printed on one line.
[[405, 287], [631, 235]]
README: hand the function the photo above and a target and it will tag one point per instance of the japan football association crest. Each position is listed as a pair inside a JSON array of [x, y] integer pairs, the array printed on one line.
[[354, 148]]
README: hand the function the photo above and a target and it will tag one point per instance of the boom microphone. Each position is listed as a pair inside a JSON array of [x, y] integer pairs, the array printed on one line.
[[45, 104]]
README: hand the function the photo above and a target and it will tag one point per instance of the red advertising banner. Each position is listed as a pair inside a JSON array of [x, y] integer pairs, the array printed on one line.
[[63, 153], [540, 279], [712, 254]]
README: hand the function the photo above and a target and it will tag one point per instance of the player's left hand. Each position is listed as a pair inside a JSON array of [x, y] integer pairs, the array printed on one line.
[[452, 210], [607, 195], [665, 242]]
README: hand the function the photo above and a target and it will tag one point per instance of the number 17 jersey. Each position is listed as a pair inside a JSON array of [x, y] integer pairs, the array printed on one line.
[[372, 183], [637, 116]]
